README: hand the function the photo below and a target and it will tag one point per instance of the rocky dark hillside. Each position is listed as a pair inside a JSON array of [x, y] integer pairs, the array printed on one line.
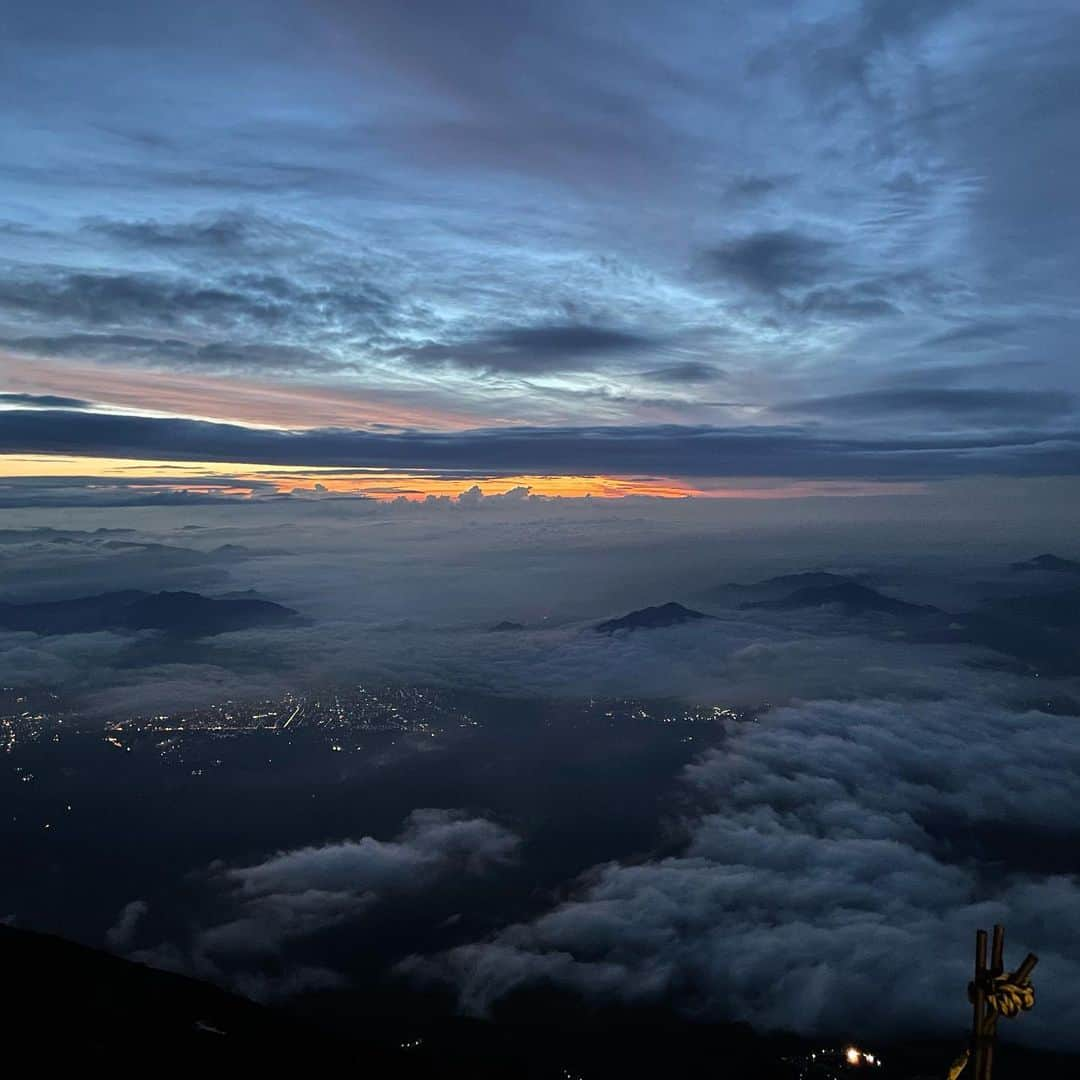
[[852, 598], [183, 614], [73, 1006], [652, 618]]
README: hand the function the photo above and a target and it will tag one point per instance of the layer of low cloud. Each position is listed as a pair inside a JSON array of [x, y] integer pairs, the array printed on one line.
[[295, 894], [424, 583], [842, 854], [896, 794]]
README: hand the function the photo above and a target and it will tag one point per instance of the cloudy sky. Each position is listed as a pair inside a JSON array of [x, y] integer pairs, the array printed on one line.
[[601, 248]]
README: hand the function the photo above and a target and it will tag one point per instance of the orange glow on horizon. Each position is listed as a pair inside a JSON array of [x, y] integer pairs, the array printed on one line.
[[383, 484], [251, 481]]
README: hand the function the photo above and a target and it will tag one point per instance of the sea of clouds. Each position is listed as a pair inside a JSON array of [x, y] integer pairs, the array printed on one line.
[[835, 856]]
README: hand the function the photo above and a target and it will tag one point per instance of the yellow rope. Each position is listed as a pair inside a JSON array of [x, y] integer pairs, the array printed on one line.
[[1005, 997], [1009, 998], [958, 1066]]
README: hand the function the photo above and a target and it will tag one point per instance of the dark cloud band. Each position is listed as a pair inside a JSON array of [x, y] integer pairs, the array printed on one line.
[[659, 450]]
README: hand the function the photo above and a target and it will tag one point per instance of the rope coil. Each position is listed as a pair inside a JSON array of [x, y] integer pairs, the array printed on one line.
[[1005, 995]]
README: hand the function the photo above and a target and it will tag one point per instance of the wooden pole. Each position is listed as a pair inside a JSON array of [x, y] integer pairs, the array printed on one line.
[[1023, 972], [978, 1043], [997, 967], [997, 952], [984, 1009]]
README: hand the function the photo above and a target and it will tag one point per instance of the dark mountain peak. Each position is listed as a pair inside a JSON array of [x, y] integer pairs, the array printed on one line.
[[776, 588], [506, 624], [849, 595], [652, 618], [186, 614], [1053, 563], [809, 579]]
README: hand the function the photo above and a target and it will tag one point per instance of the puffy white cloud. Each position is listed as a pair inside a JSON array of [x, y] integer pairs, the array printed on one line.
[[121, 934], [841, 858], [294, 894], [432, 843]]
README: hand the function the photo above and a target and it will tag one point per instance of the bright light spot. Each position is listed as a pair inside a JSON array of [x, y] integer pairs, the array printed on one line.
[[853, 1055]]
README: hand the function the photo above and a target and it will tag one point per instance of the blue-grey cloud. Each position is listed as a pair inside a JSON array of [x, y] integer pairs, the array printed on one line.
[[770, 261], [268, 300], [177, 353], [861, 301], [226, 234], [671, 450], [534, 349], [691, 371], [43, 401], [42, 492], [823, 196], [1008, 406], [978, 334]]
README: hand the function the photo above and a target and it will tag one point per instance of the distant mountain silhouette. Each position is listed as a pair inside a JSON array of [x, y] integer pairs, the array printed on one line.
[[1042, 630], [855, 599], [811, 579], [507, 625], [185, 614], [652, 618], [773, 588], [1048, 562]]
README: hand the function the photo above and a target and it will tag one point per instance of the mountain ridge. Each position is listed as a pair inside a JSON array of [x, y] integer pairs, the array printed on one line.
[[652, 618], [185, 614], [850, 595]]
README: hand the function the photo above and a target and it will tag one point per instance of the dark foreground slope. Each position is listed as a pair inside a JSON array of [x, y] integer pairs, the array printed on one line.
[[67, 1005]]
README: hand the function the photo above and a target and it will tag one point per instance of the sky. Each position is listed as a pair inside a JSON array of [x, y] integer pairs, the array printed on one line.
[[564, 249]]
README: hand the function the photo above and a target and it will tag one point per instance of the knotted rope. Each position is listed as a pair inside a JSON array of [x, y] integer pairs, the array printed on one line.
[[1006, 995]]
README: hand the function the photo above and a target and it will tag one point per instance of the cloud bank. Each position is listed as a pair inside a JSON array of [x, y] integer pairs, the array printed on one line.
[[673, 450], [292, 895], [830, 881]]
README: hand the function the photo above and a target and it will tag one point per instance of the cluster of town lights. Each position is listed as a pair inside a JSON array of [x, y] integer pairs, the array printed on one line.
[[856, 1057]]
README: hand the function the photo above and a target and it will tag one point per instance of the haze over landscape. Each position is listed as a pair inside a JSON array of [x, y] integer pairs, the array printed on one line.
[[546, 510]]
